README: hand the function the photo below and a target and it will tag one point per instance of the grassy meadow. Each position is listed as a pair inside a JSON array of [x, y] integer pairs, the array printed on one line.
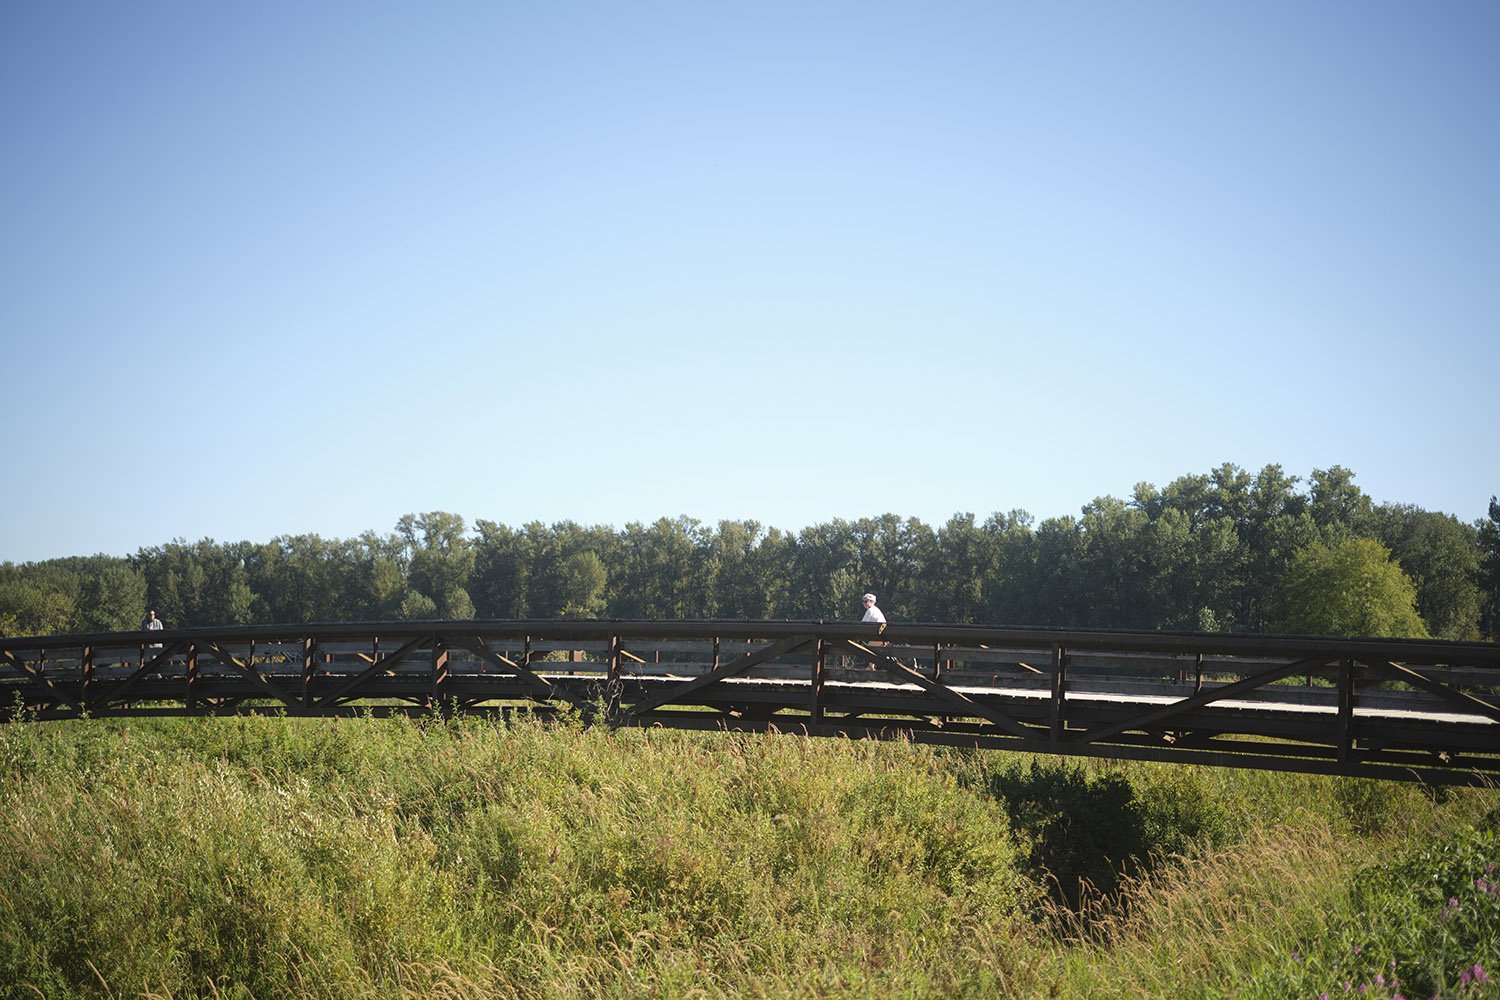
[[274, 857]]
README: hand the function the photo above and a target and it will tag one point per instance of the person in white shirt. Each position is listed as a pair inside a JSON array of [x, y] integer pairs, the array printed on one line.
[[151, 623], [872, 613]]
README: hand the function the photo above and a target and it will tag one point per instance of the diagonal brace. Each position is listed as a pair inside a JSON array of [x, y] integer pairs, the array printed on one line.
[[1415, 679], [738, 666], [1199, 700], [13, 660], [969, 705], [149, 667], [544, 688], [259, 679], [378, 667]]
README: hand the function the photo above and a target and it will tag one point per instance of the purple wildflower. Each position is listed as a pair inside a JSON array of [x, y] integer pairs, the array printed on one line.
[[1464, 977], [1480, 976], [1379, 979]]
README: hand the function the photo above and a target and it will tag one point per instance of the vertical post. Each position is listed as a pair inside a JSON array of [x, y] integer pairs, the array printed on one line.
[[716, 654], [88, 675], [526, 653], [815, 704], [1198, 678], [1059, 687], [1346, 710], [309, 668], [937, 675], [440, 672], [192, 676], [614, 687]]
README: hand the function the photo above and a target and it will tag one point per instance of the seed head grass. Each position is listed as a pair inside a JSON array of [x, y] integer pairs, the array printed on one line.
[[365, 858]]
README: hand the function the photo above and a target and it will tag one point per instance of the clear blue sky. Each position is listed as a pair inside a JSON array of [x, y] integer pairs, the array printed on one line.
[[282, 268]]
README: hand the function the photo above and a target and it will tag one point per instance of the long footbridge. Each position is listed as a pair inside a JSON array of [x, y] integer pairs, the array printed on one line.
[[1397, 709]]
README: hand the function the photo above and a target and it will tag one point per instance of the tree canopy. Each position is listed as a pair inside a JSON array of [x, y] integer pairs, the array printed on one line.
[[1350, 588], [1226, 550]]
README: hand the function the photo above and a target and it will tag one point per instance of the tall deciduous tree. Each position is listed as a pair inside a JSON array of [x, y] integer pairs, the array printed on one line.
[[1442, 557], [1340, 509], [582, 580], [442, 560], [1350, 588], [1489, 542], [112, 596], [198, 584], [30, 608]]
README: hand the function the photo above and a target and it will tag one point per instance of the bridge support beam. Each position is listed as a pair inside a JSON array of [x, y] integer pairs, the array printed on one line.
[[815, 697], [1346, 711], [1058, 717]]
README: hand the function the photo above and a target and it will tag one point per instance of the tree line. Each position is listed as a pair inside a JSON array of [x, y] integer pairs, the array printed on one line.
[[1222, 551]]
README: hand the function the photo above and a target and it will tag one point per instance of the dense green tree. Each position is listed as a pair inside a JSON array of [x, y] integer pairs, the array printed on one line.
[[205, 583], [582, 580], [825, 572], [840, 560], [1349, 588], [441, 560], [742, 571], [766, 594], [952, 582], [112, 596], [377, 587], [890, 553], [1489, 577], [661, 571], [1340, 509], [1010, 590], [299, 578], [498, 584], [1442, 557], [1279, 524], [1111, 558], [28, 607]]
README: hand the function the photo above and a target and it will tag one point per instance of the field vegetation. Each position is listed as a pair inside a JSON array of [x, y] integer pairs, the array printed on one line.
[[275, 857]]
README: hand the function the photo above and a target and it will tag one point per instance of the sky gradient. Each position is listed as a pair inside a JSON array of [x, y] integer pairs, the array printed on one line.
[[304, 268]]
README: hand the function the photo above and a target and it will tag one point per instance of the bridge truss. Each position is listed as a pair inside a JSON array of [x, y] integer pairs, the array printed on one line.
[[1396, 709]]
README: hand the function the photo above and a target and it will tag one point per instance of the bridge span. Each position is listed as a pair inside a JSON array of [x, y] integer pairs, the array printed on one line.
[[1386, 708]]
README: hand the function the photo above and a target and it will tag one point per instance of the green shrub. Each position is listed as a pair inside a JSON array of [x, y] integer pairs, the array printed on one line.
[[1424, 924], [1086, 829]]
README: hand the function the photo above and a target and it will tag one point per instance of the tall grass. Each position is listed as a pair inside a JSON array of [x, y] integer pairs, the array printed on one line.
[[388, 858]]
